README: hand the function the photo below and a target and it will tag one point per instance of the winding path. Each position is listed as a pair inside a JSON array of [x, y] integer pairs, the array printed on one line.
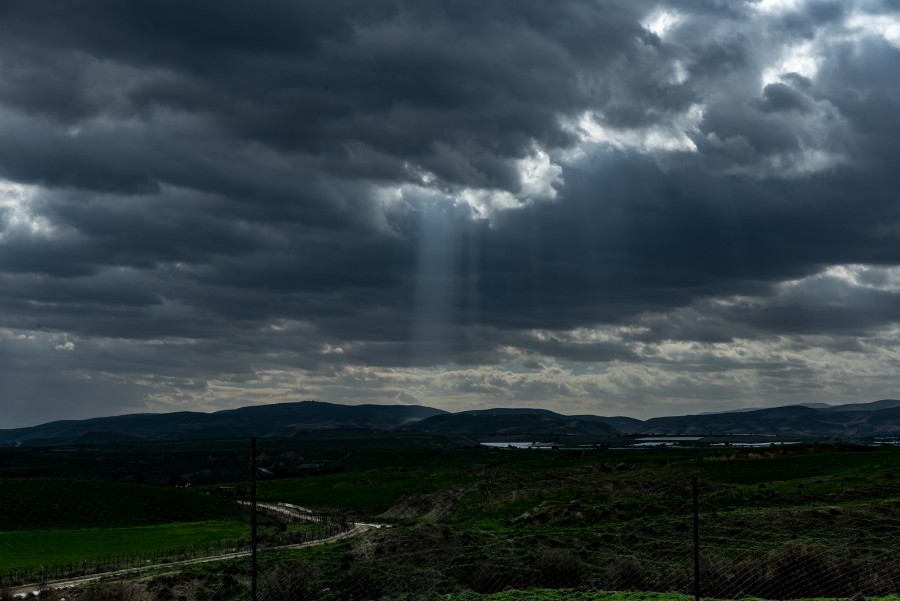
[[284, 510]]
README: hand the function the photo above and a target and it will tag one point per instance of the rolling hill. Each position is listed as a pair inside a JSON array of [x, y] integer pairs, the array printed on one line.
[[879, 418], [282, 419], [848, 421], [511, 422]]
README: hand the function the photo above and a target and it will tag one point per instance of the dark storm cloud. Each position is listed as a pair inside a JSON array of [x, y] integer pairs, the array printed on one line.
[[782, 97], [824, 306], [669, 240], [459, 87], [220, 192], [814, 15]]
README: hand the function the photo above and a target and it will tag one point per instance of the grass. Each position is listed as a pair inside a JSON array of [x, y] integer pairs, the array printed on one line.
[[540, 522], [369, 494], [369, 482], [54, 521], [57, 503], [623, 520], [32, 549], [569, 595], [610, 491], [561, 595]]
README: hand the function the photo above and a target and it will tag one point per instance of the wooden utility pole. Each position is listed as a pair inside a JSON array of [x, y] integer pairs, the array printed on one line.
[[696, 540], [253, 519]]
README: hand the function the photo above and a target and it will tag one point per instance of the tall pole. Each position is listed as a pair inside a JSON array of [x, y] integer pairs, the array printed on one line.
[[253, 519], [696, 541]]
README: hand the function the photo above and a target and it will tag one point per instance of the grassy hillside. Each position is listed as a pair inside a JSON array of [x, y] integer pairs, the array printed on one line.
[[785, 523]]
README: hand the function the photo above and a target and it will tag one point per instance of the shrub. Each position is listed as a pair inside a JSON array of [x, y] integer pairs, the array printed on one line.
[[722, 578], [488, 576], [120, 591], [804, 570], [359, 583], [625, 572], [291, 582], [560, 568]]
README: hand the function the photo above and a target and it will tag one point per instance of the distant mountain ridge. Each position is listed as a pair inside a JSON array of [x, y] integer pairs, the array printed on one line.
[[878, 418], [860, 419], [873, 406], [506, 422], [281, 419]]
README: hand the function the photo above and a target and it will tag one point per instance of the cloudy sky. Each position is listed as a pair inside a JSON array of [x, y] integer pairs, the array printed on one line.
[[594, 206]]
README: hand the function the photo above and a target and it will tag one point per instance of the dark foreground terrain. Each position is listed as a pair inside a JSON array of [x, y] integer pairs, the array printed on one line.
[[453, 521]]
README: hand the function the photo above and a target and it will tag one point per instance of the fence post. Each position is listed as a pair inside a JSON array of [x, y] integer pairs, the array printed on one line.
[[253, 519], [696, 540]]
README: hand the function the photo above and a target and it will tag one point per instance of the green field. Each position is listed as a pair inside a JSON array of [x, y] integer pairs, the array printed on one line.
[[51, 522], [59, 503], [32, 549]]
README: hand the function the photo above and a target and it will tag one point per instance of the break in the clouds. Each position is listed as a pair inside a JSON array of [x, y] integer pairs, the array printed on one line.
[[593, 206]]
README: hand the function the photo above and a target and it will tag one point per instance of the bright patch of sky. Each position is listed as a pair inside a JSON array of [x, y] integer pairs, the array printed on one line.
[[661, 21], [806, 58], [865, 276], [679, 73], [778, 6], [807, 162], [13, 195], [539, 176], [67, 345], [886, 26], [886, 279], [578, 335], [671, 136], [803, 59], [15, 199], [486, 202]]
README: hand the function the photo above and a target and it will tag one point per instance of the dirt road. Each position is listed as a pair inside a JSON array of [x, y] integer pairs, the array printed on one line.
[[24, 591]]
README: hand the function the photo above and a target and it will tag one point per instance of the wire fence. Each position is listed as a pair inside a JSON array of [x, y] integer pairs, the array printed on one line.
[[574, 533]]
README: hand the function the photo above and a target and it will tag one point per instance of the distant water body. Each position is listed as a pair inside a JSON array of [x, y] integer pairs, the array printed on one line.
[[518, 445]]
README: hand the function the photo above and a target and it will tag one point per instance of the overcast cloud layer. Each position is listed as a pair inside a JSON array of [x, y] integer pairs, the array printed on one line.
[[593, 206]]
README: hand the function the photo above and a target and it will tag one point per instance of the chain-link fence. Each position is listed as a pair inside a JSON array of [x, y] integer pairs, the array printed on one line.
[[465, 524]]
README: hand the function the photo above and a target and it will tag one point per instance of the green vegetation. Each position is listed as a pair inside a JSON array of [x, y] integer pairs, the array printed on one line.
[[49, 503], [570, 595], [52, 523], [369, 493], [780, 523], [31, 549], [564, 595], [505, 525]]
